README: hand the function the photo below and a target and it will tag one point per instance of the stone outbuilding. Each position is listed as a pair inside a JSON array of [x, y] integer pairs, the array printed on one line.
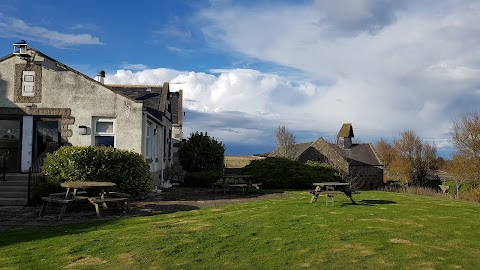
[[357, 161]]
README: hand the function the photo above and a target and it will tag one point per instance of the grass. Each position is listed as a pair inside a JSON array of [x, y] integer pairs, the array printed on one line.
[[239, 161], [385, 231]]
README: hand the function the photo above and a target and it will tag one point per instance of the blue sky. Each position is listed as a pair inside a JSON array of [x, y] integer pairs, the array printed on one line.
[[247, 67]]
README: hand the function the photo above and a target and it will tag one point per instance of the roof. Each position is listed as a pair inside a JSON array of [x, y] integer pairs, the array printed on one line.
[[358, 155], [154, 97], [346, 131], [299, 149]]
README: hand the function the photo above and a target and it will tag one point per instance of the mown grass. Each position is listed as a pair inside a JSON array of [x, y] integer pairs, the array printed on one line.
[[385, 231]]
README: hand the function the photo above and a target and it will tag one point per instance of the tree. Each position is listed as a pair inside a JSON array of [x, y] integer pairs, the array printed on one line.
[[201, 153], [414, 158], [285, 142], [387, 154], [466, 138]]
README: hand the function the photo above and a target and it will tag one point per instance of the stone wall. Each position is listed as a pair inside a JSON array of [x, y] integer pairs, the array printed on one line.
[[369, 177]]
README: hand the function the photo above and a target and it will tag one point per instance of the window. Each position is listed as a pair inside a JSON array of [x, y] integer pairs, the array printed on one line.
[[104, 131], [148, 141], [28, 83]]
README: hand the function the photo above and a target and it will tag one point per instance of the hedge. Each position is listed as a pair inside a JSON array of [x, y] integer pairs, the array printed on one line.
[[285, 173], [99, 163]]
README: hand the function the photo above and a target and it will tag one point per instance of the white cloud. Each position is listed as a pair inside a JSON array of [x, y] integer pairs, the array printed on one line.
[[392, 66], [134, 66], [13, 27]]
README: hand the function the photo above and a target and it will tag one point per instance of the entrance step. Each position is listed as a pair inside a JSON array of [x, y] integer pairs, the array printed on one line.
[[13, 201], [14, 191]]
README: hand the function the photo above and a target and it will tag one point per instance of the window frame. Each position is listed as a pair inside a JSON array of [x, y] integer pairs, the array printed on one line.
[[105, 134]]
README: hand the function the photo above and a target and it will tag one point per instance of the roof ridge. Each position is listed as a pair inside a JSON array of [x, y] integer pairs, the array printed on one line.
[[134, 85]]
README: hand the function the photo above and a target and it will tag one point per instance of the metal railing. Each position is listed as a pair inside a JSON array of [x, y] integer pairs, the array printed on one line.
[[36, 167], [3, 164]]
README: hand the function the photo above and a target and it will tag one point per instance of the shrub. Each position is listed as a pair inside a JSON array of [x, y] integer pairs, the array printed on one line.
[[285, 173], [202, 179], [43, 187], [201, 153], [471, 194], [98, 163]]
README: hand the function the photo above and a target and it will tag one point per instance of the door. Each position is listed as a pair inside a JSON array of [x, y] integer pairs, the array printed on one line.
[[46, 133], [10, 141]]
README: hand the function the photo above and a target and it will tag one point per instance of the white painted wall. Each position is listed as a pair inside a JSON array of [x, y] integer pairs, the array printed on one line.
[[27, 143]]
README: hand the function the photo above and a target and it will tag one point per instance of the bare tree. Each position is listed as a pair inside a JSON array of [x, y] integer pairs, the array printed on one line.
[[387, 154], [285, 142], [466, 138], [414, 159]]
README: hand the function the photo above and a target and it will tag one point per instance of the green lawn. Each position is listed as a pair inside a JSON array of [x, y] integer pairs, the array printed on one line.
[[386, 231]]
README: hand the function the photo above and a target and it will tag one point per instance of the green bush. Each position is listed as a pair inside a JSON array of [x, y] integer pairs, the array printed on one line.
[[285, 173], [202, 179], [98, 163], [201, 153], [43, 187]]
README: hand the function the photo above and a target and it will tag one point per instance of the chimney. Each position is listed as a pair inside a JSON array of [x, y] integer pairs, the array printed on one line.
[[100, 77], [21, 49]]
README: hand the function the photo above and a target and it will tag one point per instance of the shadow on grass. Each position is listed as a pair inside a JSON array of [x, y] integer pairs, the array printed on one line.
[[78, 225], [370, 202]]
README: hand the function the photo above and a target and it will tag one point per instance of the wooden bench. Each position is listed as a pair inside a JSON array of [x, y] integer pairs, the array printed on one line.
[[62, 194], [100, 201], [328, 194], [258, 186], [58, 200], [119, 194]]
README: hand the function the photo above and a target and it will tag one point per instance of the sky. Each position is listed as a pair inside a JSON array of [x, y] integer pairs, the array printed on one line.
[[247, 67]]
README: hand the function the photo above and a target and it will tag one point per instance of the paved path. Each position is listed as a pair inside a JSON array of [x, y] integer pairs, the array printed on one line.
[[171, 200]]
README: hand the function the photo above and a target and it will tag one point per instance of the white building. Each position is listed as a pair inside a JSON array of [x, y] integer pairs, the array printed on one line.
[[43, 101]]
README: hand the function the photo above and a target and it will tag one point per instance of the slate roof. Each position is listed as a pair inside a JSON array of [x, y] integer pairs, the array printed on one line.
[[359, 155], [153, 97], [345, 131], [299, 149]]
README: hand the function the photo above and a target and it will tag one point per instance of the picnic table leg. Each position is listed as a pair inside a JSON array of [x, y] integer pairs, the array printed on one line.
[[62, 211], [97, 209], [350, 196], [315, 194]]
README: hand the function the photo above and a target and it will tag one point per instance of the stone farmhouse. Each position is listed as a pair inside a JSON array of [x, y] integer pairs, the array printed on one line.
[[45, 102], [358, 162]]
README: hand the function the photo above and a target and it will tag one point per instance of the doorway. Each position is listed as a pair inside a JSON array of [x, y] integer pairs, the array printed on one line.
[[10, 141], [46, 135]]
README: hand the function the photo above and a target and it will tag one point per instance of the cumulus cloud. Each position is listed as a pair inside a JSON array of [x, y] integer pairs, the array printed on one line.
[[13, 27], [392, 66], [231, 104]]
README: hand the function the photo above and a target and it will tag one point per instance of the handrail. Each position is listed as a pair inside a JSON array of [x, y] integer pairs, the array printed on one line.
[[37, 166], [3, 162]]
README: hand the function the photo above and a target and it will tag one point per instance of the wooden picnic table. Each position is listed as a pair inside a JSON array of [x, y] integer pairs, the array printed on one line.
[[73, 187], [328, 189], [100, 195], [243, 181]]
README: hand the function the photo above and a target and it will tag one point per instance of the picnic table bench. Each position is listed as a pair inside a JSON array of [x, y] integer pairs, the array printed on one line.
[[242, 181], [330, 192], [73, 194]]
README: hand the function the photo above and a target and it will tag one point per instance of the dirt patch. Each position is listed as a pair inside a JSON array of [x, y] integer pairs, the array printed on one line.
[[400, 241], [86, 261]]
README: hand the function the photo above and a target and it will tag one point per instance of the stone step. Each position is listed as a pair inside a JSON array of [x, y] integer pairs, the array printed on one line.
[[16, 177], [13, 188], [13, 201], [13, 194], [14, 183]]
